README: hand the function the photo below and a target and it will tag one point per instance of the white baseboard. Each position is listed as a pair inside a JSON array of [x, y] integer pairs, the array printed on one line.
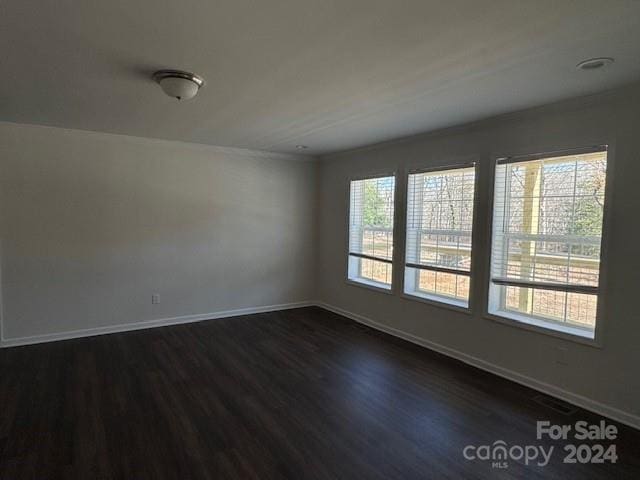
[[575, 399], [161, 322]]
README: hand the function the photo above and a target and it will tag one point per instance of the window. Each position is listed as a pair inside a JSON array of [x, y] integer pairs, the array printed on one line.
[[547, 231], [371, 231], [439, 225]]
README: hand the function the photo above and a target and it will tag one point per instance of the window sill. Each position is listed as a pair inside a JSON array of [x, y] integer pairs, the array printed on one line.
[[370, 285], [456, 307], [572, 334]]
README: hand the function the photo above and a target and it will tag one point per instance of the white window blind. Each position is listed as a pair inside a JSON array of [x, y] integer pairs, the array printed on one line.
[[547, 230], [439, 228], [371, 210]]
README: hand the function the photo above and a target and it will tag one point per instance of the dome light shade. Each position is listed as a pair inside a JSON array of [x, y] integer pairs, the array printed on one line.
[[595, 63], [178, 84]]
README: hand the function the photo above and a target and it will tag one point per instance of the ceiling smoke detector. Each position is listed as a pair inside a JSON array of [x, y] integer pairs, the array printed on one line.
[[178, 84], [594, 63]]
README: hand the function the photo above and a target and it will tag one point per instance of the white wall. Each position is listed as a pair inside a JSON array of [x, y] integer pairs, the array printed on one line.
[[606, 376], [93, 224]]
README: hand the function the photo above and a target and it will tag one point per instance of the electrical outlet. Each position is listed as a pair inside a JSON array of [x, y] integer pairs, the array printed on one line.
[[155, 298]]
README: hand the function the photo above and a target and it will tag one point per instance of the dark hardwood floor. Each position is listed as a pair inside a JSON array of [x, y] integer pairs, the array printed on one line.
[[295, 394]]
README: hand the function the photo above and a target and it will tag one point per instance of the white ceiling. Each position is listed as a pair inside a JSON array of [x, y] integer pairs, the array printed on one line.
[[330, 74]]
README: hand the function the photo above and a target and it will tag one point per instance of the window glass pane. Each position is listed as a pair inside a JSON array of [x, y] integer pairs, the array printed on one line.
[[547, 229], [375, 271], [581, 309], [371, 210], [447, 284], [439, 228]]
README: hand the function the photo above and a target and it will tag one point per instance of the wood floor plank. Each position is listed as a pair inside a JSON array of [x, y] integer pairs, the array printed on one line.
[[297, 394]]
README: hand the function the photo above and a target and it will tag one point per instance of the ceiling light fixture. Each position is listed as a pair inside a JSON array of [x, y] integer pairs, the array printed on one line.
[[595, 63], [179, 84], [301, 147]]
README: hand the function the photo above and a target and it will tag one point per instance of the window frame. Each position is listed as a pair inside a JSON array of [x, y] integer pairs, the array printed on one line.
[[533, 324], [433, 299], [363, 283]]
